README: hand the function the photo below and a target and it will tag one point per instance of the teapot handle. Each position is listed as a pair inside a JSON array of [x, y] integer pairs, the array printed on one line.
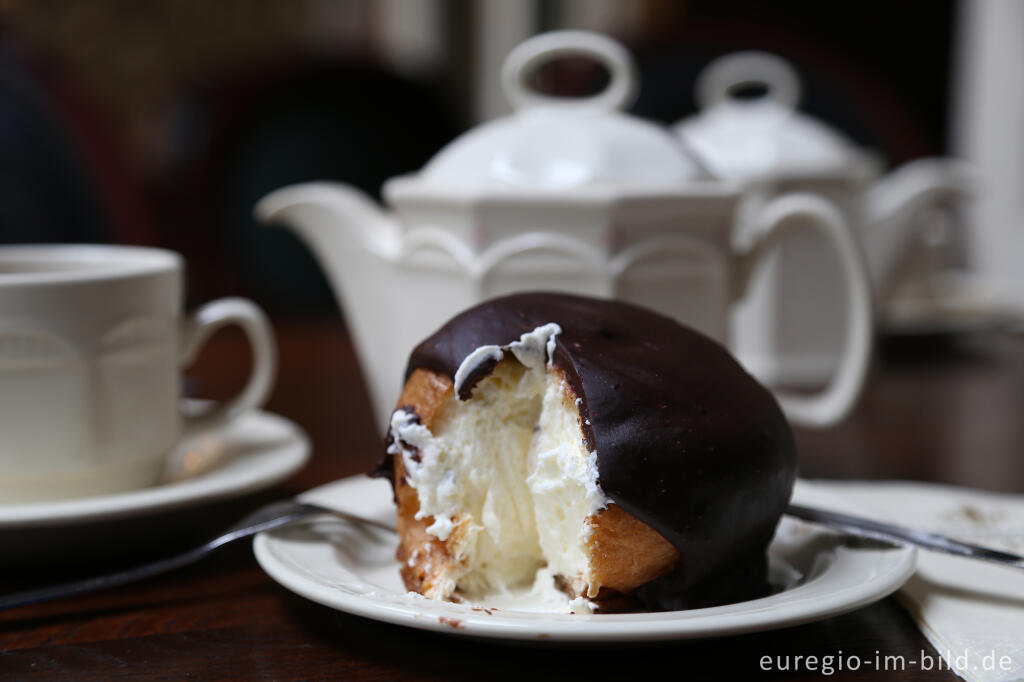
[[547, 47], [716, 82], [778, 217]]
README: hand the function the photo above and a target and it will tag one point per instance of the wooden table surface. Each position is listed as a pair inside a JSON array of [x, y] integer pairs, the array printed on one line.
[[938, 410]]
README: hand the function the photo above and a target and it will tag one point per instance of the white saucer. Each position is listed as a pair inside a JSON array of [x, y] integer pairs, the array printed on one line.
[[961, 303], [353, 569], [255, 451]]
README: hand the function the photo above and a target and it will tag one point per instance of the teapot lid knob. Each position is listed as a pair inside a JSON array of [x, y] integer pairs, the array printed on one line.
[[718, 82], [529, 55]]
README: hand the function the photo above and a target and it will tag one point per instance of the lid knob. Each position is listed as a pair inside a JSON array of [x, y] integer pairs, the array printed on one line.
[[719, 81], [547, 47]]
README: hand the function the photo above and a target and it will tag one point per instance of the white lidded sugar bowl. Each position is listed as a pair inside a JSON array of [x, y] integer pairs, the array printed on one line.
[[789, 329], [566, 194]]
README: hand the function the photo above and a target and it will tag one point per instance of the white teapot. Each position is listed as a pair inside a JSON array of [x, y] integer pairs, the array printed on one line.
[[789, 329], [564, 194]]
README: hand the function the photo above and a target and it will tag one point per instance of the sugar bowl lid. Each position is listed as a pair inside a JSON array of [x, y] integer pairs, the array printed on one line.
[[551, 144], [765, 136]]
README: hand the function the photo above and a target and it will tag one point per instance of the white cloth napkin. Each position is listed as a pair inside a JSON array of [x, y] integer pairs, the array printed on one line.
[[971, 611]]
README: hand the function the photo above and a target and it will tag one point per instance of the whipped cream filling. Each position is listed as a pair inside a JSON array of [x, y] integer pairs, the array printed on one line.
[[505, 475]]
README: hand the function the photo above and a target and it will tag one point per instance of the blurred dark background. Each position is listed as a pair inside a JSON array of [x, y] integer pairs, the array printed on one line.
[[163, 122]]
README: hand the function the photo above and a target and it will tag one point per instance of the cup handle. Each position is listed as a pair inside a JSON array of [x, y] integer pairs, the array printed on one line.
[[777, 217], [200, 325]]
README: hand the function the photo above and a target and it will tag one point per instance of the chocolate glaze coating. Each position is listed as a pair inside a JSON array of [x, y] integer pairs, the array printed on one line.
[[686, 440]]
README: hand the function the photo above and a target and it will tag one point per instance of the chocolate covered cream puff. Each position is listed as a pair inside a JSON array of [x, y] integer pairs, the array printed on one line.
[[587, 448]]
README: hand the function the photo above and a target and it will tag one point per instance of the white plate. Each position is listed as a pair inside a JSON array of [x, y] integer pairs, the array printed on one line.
[[353, 569], [254, 452]]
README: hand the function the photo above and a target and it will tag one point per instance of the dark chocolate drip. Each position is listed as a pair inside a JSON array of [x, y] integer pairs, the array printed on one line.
[[686, 440]]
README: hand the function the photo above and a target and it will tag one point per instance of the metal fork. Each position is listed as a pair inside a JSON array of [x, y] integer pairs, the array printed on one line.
[[270, 516], [282, 513], [888, 532]]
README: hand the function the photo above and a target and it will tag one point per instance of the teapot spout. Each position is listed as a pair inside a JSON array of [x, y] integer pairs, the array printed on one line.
[[331, 217], [356, 244], [895, 203]]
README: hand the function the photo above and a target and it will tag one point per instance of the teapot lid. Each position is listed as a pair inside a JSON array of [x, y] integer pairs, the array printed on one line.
[[764, 137], [557, 143]]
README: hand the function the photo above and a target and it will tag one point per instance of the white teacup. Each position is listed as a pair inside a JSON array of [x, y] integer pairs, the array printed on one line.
[[92, 342]]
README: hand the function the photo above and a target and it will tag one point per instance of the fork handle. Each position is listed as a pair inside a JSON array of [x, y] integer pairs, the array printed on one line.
[[102, 582]]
